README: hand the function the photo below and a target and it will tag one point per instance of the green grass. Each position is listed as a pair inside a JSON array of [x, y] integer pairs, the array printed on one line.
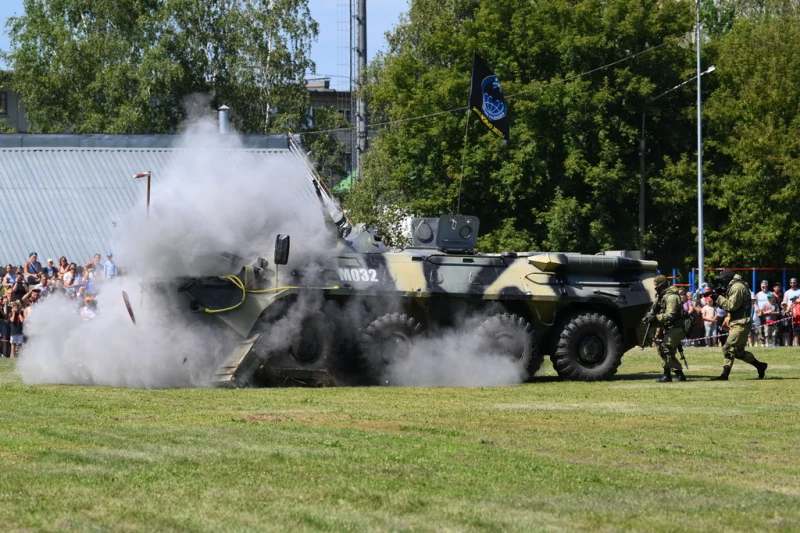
[[629, 454]]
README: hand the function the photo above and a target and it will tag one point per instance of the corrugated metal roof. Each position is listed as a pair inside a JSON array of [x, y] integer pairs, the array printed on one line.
[[65, 140], [65, 201]]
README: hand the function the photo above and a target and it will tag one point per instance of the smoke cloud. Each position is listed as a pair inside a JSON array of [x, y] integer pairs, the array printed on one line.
[[458, 358], [215, 199], [211, 199]]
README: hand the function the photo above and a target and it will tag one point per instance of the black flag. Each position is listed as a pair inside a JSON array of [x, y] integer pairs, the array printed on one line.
[[486, 98]]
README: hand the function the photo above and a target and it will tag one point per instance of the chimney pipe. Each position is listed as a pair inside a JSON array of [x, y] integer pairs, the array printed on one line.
[[224, 120]]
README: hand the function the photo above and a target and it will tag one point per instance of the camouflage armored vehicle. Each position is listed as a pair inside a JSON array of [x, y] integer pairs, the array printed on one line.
[[350, 313]]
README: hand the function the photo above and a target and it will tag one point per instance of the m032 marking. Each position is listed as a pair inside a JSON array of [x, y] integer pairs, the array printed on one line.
[[358, 274]]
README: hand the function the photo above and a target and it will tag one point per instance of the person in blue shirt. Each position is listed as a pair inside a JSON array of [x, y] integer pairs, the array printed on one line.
[[50, 270], [110, 268], [32, 269], [10, 277]]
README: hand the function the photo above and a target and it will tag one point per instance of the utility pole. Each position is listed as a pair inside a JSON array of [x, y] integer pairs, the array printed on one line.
[[361, 58], [700, 250], [643, 153]]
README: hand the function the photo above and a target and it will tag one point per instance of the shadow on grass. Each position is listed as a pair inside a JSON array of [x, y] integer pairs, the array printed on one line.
[[648, 376], [639, 376]]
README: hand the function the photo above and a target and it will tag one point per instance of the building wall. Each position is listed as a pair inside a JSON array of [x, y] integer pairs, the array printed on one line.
[[13, 110], [323, 96]]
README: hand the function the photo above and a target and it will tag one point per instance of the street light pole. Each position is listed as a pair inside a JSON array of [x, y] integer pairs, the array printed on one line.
[[643, 152], [642, 156], [141, 290], [700, 250]]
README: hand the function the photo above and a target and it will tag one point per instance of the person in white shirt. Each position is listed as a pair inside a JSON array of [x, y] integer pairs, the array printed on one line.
[[792, 293], [761, 296], [88, 310]]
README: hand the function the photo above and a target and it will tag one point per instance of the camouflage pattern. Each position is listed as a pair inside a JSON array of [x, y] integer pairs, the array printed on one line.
[[738, 303], [669, 318], [583, 310]]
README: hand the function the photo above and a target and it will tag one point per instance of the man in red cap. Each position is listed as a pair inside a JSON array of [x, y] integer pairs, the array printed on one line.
[[733, 296]]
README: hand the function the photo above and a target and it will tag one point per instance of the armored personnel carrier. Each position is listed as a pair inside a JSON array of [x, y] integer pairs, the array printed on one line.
[[349, 314]]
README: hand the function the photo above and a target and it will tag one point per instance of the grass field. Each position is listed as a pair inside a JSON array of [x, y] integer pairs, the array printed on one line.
[[628, 454]]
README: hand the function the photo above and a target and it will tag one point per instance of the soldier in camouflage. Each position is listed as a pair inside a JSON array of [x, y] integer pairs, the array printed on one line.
[[733, 296], [670, 319]]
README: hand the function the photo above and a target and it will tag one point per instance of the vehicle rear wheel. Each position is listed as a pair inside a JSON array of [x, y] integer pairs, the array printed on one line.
[[588, 348], [388, 339], [512, 336]]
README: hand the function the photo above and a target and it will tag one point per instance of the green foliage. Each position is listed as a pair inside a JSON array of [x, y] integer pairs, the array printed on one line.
[[104, 66], [569, 175], [754, 119], [327, 152]]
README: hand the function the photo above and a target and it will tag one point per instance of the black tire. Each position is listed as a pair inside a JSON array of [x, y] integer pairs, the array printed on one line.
[[588, 348], [386, 340], [512, 336], [314, 346]]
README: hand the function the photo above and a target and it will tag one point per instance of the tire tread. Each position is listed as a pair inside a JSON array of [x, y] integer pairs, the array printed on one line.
[[563, 362]]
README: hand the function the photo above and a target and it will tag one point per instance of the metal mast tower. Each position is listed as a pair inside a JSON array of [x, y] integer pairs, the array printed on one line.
[[352, 62], [360, 60], [344, 78]]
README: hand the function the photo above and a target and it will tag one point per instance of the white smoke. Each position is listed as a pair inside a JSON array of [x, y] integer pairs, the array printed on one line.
[[457, 358], [211, 199]]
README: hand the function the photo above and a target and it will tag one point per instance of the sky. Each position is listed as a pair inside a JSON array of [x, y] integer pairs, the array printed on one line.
[[327, 52]]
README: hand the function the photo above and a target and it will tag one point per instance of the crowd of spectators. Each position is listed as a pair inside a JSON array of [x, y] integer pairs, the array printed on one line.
[[24, 286], [776, 316]]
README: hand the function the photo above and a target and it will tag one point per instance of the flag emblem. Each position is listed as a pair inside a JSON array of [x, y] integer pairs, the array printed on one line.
[[486, 98], [493, 105]]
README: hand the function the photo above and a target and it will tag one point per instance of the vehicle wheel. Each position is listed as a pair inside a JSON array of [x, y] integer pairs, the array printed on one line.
[[512, 336], [589, 348], [388, 339], [314, 345]]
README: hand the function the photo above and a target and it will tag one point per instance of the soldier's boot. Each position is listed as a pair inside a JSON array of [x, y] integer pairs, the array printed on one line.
[[666, 378], [679, 375], [761, 367], [726, 371]]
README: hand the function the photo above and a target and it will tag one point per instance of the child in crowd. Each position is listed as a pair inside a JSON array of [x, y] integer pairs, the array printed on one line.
[[710, 321], [15, 325]]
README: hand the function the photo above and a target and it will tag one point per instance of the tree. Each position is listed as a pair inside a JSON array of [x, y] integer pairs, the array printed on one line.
[[327, 152], [569, 175], [754, 123], [103, 66]]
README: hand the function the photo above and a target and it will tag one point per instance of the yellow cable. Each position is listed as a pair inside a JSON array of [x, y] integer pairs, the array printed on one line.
[[294, 287], [236, 281]]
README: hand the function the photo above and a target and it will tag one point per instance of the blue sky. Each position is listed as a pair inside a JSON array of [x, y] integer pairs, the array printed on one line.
[[382, 16]]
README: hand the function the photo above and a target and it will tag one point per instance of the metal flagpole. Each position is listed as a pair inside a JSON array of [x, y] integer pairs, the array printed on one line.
[[463, 160]]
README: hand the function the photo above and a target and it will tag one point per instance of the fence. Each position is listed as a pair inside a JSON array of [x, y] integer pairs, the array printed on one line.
[[740, 270]]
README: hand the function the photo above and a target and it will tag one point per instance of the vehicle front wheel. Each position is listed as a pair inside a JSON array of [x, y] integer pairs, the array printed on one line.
[[589, 348]]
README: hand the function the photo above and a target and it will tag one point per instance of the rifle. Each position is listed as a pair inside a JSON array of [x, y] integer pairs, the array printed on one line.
[[653, 311], [680, 351]]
